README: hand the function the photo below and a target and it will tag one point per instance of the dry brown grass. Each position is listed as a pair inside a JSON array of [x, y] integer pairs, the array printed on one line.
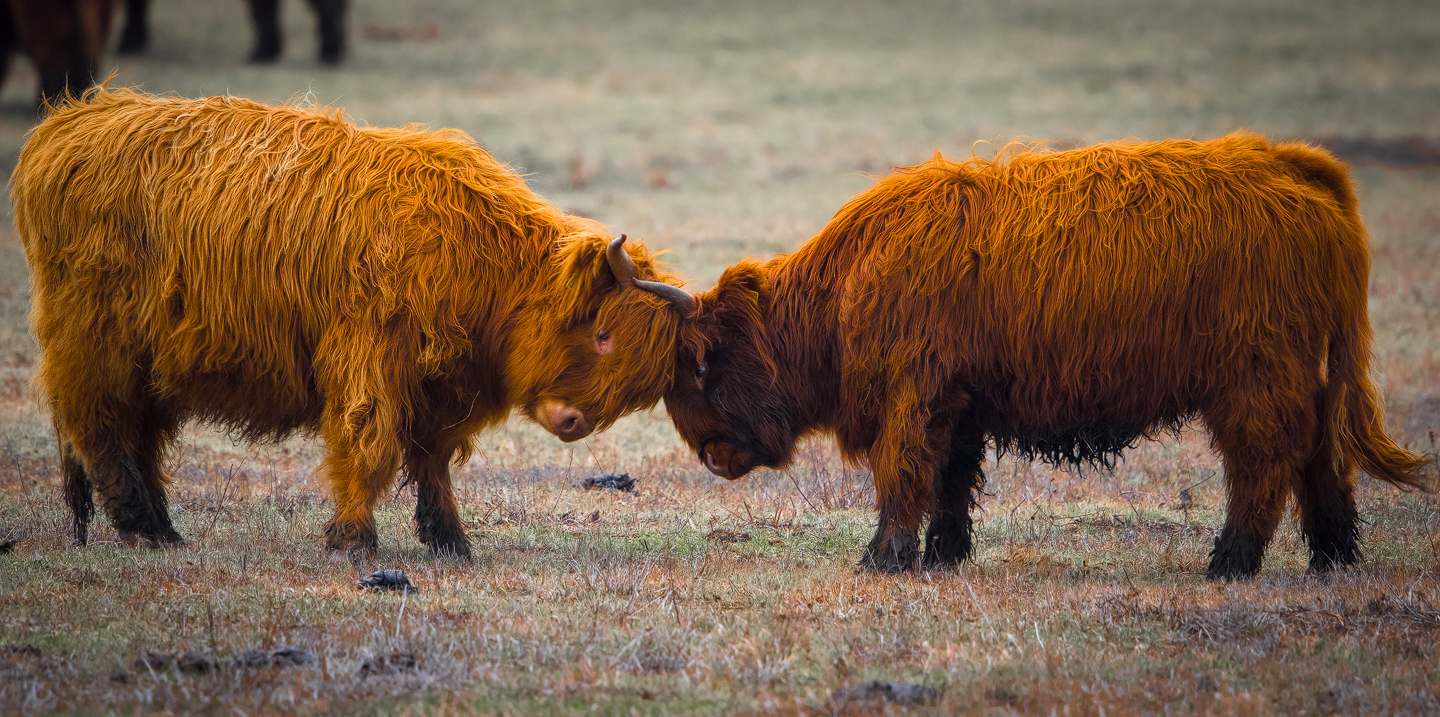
[[1087, 594]]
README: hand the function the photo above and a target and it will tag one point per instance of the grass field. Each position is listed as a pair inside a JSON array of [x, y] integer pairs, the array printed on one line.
[[721, 130]]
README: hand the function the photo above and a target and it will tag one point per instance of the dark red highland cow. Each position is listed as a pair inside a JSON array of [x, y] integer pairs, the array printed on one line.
[[1062, 305]]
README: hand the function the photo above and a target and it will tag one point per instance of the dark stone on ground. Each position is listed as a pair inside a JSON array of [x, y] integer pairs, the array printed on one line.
[[388, 664], [386, 580], [610, 481], [186, 663], [721, 535], [283, 657], [893, 692]]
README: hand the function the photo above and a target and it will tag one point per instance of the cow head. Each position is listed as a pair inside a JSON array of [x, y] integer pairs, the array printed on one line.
[[727, 402], [601, 345]]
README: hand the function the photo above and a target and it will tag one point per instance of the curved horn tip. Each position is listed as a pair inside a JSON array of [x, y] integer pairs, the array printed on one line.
[[621, 265], [676, 296]]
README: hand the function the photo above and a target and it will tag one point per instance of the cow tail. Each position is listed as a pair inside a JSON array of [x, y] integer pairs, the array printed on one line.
[[79, 493], [1353, 408]]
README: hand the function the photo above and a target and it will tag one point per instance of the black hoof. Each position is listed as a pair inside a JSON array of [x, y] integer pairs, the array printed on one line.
[[893, 555], [351, 541], [1235, 557], [446, 545], [1331, 561], [1333, 547], [947, 544], [451, 551], [151, 539]]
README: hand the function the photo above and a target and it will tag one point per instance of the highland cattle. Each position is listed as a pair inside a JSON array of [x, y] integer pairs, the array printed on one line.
[[278, 269], [65, 39], [1061, 305]]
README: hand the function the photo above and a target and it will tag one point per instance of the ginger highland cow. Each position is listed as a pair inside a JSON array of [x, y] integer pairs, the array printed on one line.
[[274, 269], [1061, 305]]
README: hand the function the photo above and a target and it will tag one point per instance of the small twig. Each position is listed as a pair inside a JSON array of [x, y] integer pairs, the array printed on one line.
[[801, 491], [404, 595]]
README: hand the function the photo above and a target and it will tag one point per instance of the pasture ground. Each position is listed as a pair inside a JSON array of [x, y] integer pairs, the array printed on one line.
[[721, 130]]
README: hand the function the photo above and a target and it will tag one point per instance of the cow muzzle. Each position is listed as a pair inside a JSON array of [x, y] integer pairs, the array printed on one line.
[[723, 460], [565, 421]]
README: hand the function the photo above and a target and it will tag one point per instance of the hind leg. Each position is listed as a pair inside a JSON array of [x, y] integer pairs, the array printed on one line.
[[948, 539], [1265, 437], [120, 470], [1325, 495], [155, 430]]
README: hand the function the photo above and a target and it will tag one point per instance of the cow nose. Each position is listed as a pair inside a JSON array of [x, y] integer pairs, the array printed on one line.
[[569, 422], [565, 421]]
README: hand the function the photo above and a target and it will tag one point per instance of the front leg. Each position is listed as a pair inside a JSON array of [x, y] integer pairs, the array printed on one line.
[[904, 461], [949, 538], [437, 518], [896, 545]]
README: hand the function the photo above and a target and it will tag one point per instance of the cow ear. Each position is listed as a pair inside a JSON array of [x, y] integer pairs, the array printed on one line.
[[743, 288], [734, 309]]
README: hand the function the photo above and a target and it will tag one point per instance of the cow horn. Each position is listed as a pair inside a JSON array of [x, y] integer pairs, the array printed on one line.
[[623, 267]]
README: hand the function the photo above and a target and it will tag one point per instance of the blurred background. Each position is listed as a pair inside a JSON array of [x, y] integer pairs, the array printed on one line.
[[720, 130]]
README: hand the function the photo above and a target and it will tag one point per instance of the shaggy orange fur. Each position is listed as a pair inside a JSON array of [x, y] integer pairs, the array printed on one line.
[[270, 269], [1063, 304]]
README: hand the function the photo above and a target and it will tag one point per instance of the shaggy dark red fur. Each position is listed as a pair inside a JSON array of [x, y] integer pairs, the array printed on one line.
[[1062, 305]]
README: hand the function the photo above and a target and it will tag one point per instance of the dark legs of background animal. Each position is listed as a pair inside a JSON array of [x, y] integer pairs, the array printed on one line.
[[135, 38], [948, 539], [266, 16], [1325, 495], [329, 16], [437, 518]]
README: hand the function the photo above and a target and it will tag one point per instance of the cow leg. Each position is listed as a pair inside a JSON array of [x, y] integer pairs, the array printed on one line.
[[156, 430], [356, 482], [437, 518], [1265, 436], [330, 24], [903, 458], [948, 539], [266, 16], [367, 423], [135, 38], [122, 475], [1325, 497]]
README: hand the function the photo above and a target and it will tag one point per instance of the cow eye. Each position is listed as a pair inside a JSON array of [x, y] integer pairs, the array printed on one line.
[[602, 335], [700, 372], [602, 342]]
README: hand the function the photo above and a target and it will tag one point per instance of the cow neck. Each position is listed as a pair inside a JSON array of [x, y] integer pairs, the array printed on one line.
[[802, 322]]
